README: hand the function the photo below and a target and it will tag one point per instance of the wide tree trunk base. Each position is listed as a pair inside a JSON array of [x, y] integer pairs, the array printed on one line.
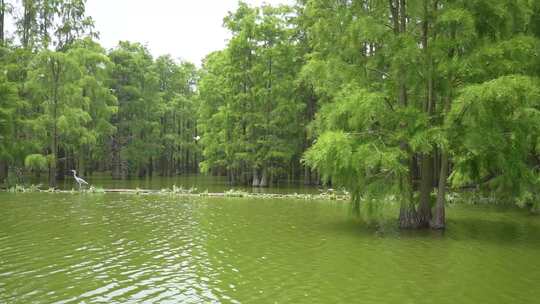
[[438, 221], [3, 171], [437, 226], [408, 219], [264, 181], [424, 217], [255, 182]]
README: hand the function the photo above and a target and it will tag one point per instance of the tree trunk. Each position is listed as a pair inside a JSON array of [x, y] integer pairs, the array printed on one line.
[[439, 218], [231, 177], [81, 162], [426, 184], [28, 17], [2, 22], [117, 172], [255, 182], [408, 218], [52, 165], [172, 166], [63, 159], [307, 176], [142, 170], [439, 221], [163, 166], [3, 171], [264, 179], [54, 141], [151, 167], [426, 171]]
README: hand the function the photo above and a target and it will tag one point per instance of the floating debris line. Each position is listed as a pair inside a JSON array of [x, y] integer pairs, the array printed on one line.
[[191, 192]]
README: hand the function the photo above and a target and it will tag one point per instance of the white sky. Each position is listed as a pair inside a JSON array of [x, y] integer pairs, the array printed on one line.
[[186, 29]]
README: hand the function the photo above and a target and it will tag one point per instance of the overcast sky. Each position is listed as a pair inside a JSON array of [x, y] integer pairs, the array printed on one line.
[[186, 29]]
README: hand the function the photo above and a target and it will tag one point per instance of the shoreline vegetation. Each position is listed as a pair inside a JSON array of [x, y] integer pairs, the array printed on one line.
[[329, 194], [467, 197]]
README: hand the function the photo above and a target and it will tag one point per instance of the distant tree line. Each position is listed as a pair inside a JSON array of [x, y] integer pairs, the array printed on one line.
[[68, 103], [386, 98]]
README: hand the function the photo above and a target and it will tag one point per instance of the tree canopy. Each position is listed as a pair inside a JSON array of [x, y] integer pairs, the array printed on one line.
[[390, 100]]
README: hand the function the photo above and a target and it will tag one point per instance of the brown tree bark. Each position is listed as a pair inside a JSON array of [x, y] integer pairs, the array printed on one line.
[[264, 179], [255, 182], [116, 166], [427, 167], [408, 217], [426, 184], [3, 171], [55, 68], [2, 21], [439, 216]]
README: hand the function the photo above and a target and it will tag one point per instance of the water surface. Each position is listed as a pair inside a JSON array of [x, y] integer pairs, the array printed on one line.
[[114, 248], [200, 182]]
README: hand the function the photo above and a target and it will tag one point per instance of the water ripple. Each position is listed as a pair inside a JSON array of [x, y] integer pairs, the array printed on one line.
[[144, 249]]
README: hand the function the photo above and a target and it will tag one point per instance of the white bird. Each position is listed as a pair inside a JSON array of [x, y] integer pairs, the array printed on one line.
[[79, 180], [197, 138]]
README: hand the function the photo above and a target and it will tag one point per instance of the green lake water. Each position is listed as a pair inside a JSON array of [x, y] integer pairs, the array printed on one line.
[[115, 248]]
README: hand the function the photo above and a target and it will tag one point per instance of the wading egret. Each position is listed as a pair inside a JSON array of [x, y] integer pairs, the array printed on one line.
[[79, 180]]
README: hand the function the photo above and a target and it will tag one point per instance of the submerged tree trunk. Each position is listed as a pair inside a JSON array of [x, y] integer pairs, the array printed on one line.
[[426, 184], [231, 177], [427, 167], [142, 170], [439, 220], [255, 182], [3, 171], [115, 169], [81, 166], [264, 179], [163, 166], [307, 176], [54, 135], [408, 218], [61, 164], [439, 217], [116, 166], [52, 164], [150, 167]]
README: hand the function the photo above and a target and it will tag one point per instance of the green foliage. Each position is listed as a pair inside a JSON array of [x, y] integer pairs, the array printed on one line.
[[456, 77], [53, 23], [155, 109], [9, 103], [494, 129], [250, 118], [36, 162]]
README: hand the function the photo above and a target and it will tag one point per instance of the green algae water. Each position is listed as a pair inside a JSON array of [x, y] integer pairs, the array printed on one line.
[[113, 248]]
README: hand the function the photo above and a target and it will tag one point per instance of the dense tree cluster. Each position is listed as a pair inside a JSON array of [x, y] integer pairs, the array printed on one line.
[[416, 93], [386, 98], [68, 103], [252, 112]]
